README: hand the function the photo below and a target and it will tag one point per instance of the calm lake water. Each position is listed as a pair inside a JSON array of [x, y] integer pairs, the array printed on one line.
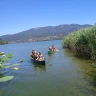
[[63, 74]]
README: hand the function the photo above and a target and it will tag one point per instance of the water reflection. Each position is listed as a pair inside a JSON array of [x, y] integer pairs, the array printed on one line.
[[50, 55], [89, 71], [49, 64], [87, 68], [39, 67], [49, 59], [0, 91]]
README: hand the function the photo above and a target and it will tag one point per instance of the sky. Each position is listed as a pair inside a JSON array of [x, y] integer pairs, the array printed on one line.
[[20, 15]]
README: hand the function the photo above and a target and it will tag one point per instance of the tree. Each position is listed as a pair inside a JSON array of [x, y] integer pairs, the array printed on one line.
[[3, 42]]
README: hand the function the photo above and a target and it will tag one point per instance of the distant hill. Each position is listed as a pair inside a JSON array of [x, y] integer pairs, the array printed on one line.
[[43, 33]]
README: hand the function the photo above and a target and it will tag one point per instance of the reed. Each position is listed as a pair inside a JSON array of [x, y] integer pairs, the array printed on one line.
[[82, 42]]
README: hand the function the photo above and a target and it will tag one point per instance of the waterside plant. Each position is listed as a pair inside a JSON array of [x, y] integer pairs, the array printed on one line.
[[4, 59], [82, 42]]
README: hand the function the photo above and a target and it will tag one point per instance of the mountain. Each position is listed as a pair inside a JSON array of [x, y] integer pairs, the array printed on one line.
[[43, 33]]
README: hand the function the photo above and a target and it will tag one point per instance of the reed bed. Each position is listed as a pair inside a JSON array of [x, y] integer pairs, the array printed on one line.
[[82, 42]]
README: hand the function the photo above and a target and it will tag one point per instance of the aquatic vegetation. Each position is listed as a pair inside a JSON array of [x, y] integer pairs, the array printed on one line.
[[21, 60], [4, 59], [6, 78], [10, 55], [15, 68], [2, 53], [82, 42]]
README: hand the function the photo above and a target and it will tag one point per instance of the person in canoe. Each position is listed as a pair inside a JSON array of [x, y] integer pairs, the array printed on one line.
[[34, 54], [53, 48], [50, 49], [40, 57]]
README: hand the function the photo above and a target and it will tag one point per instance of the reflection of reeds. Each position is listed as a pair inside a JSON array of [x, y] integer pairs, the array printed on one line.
[[82, 42], [87, 69], [91, 75], [0, 91]]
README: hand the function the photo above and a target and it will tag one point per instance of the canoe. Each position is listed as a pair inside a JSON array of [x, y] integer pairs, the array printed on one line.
[[38, 62], [51, 52]]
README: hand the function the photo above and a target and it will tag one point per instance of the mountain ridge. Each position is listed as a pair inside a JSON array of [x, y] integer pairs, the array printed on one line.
[[43, 33]]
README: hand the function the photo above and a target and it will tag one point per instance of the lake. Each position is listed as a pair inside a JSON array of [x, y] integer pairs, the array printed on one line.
[[63, 74]]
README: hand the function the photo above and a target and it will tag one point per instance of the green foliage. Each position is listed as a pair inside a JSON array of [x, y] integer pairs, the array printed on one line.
[[83, 39], [2, 53], [15, 65], [10, 55], [6, 78], [1, 75], [5, 59], [3, 64], [6, 66], [3, 42], [0, 65]]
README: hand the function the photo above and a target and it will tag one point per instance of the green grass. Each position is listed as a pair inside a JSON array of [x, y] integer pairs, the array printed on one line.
[[82, 42]]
